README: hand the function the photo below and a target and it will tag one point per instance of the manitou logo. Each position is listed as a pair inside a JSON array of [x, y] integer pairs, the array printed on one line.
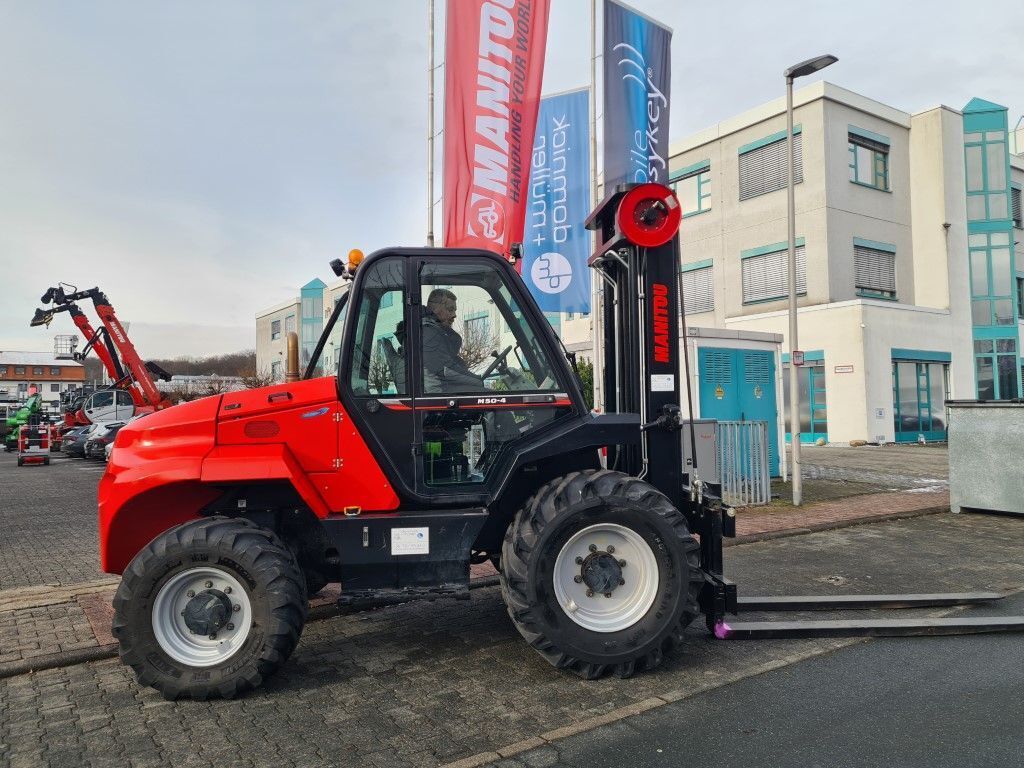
[[646, 163], [660, 323], [501, 81]]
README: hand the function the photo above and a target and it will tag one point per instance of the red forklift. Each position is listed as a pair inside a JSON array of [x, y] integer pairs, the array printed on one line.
[[408, 464]]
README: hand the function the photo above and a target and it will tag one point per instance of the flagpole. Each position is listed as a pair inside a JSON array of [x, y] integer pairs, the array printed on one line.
[[596, 290], [430, 125]]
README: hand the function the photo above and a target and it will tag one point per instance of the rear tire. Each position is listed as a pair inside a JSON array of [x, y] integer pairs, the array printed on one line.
[[564, 532], [256, 575]]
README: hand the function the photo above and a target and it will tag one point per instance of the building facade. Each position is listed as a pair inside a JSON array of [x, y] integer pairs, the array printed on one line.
[[50, 375], [908, 244]]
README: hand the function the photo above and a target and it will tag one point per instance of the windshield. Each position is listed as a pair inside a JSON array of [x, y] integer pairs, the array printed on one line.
[[328, 349]]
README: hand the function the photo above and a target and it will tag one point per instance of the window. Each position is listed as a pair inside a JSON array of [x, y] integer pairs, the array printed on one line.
[[765, 273], [995, 366], [992, 279], [763, 165], [693, 188], [312, 307], [869, 159], [275, 370], [289, 324], [1020, 298], [55, 371], [37, 371], [1015, 193], [461, 351], [985, 160], [874, 267], [698, 289], [275, 330], [55, 387], [22, 387], [378, 357], [19, 370]]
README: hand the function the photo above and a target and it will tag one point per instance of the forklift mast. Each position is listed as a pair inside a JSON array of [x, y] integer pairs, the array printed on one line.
[[636, 258]]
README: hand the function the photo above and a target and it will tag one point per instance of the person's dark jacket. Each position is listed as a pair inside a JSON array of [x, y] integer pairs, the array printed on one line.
[[443, 369]]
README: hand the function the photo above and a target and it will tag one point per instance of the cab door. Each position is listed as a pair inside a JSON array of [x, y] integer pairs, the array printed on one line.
[[486, 374], [373, 374]]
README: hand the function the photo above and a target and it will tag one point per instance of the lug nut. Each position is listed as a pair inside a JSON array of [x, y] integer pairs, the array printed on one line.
[[191, 593], [209, 584], [622, 563], [593, 547], [227, 590], [621, 582], [230, 625], [576, 578], [213, 636], [590, 593], [607, 594], [236, 607], [611, 549], [579, 560]]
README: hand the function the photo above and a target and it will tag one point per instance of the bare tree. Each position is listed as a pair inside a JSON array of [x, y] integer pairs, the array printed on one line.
[[477, 342], [379, 377]]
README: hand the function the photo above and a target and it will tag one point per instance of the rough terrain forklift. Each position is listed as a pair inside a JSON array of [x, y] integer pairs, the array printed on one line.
[[225, 514]]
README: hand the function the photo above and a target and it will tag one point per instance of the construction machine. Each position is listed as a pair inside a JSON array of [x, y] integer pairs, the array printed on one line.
[[414, 460], [125, 368], [15, 421]]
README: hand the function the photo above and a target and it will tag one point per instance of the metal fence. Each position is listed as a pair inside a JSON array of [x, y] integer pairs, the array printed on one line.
[[743, 462]]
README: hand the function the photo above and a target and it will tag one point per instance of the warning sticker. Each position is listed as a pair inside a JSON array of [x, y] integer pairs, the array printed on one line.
[[410, 541], [663, 382]]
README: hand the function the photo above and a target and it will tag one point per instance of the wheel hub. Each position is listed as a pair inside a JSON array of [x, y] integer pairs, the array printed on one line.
[[601, 572], [208, 612]]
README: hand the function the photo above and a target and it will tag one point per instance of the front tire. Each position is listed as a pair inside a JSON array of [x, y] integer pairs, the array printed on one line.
[[601, 574], [210, 609]]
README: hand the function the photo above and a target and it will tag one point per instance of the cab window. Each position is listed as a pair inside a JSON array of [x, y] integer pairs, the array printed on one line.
[[378, 355], [474, 335]]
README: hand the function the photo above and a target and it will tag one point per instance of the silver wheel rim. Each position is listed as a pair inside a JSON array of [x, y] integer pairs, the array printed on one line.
[[628, 602], [173, 635]]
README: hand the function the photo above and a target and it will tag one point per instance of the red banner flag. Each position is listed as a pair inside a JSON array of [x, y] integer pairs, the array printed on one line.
[[494, 65]]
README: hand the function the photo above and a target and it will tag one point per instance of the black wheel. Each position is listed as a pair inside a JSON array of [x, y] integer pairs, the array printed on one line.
[[600, 574], [209, 609]]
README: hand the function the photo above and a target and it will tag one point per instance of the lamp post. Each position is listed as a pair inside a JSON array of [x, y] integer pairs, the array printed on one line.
[[797, 70]]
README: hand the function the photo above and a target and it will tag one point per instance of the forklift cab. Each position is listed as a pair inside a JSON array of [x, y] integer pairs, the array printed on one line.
[[444, 366], [109, 405]]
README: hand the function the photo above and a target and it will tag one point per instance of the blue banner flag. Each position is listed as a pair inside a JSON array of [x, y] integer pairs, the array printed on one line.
[[637, 80], [555, 244]]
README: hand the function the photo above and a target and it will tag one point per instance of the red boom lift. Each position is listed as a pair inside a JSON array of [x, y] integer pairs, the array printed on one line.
[[409, 464], [115, 350]]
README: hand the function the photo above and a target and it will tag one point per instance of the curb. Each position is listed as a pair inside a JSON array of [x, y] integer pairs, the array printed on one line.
[[753, 538], [109, 651]]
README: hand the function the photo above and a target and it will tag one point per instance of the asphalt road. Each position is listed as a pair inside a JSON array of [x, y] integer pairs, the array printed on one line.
[[907, 703]]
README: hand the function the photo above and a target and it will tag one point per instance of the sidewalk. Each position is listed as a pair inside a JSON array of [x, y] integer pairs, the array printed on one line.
[[46, 627]]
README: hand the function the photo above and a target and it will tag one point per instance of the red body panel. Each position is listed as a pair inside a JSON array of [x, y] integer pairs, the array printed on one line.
[[169, 465]]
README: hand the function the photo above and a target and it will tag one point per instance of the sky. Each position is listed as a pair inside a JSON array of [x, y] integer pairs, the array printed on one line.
[[200, 161]]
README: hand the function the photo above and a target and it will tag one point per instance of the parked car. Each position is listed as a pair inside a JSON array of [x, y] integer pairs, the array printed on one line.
[[103, 435], [73, 442]]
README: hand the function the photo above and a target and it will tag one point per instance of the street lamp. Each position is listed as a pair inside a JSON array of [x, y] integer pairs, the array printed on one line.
[[797, 70]]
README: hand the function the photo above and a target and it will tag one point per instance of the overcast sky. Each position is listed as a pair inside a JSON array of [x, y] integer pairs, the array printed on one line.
[[202, 160]]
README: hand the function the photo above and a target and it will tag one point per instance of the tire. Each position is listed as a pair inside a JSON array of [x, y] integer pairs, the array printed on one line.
[[548, 538], [268, 600], [315, 582]]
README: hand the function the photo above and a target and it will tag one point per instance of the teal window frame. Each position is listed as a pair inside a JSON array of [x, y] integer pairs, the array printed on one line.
[[1020, 297], [989, 296], [986, 139], [702, 172], [1016, 194], [989, 349], [925, 407], [878, 145], [774, 248]]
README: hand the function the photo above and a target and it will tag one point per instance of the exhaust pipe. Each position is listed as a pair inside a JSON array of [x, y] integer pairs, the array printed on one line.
[[291, 368]]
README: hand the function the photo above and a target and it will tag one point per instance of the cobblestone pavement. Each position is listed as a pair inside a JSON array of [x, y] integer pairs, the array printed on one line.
[[431, 683], [48, 522], [891, 466]]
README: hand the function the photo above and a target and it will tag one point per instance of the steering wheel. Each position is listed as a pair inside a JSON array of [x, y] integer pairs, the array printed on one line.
[[499, 362]]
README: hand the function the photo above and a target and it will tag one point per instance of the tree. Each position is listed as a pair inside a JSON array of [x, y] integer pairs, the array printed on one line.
[[379, 377], [585, 368], [477, 342]]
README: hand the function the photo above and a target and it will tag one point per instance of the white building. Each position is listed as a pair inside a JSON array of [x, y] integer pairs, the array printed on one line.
[[20, 372], [893, 210]]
